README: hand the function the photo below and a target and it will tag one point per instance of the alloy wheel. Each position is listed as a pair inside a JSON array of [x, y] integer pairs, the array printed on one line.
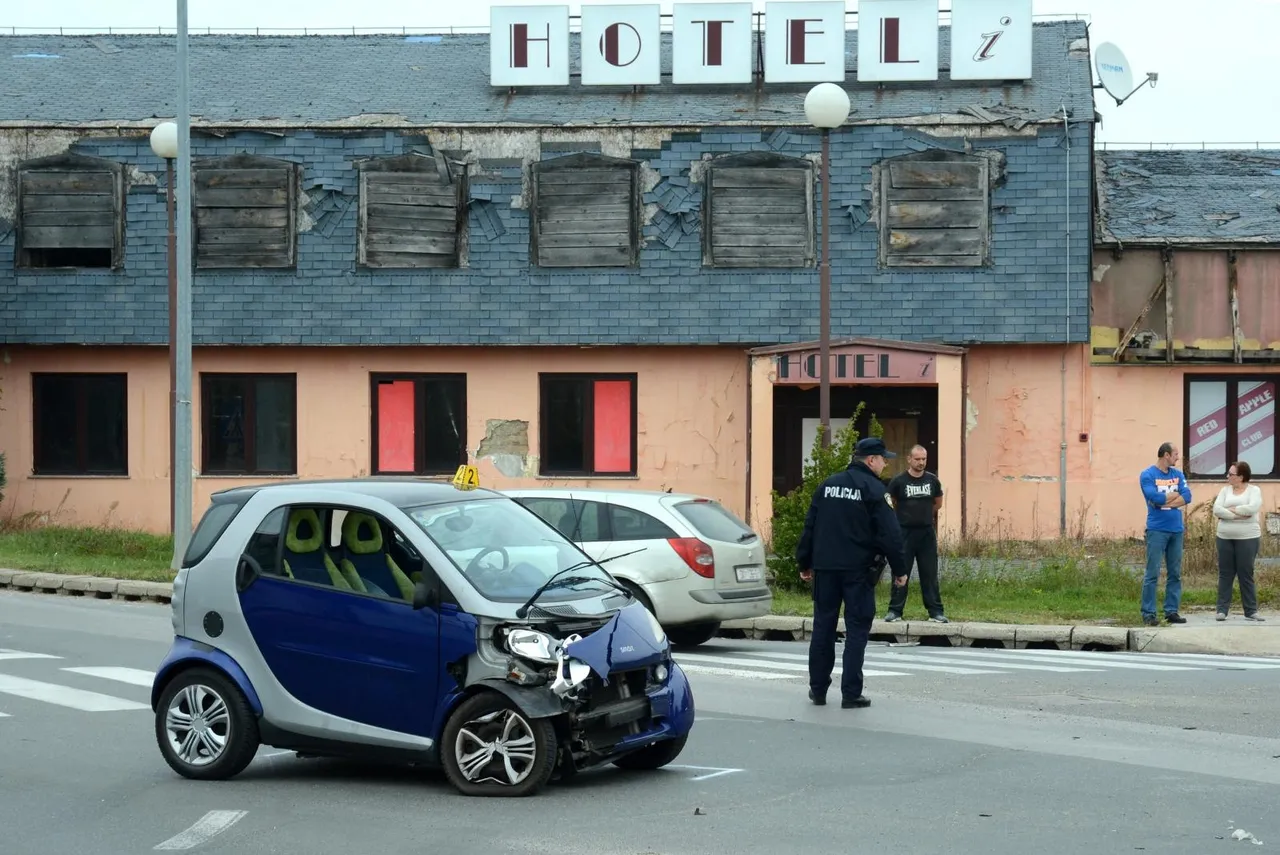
[[497, 747], [198, 725]]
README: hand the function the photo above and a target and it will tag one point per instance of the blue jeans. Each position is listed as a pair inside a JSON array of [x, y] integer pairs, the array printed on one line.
[[1166, 545]]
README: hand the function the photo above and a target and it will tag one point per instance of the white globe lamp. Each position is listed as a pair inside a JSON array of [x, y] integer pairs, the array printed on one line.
[[826, 106], [164, 140]]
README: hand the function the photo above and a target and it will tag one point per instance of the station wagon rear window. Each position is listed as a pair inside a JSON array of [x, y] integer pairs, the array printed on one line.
[[715, 522]]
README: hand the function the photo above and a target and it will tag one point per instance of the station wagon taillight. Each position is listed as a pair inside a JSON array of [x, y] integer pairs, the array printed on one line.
[[696, 554]]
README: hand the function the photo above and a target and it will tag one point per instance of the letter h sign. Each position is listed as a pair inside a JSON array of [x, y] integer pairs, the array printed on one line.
[[528, 46]]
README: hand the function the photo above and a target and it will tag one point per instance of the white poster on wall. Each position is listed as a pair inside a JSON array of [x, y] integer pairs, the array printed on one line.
[[809, 435], [991, 39], [897, 40], [621, 45], [711, 43], [529, 45], [804, 42]]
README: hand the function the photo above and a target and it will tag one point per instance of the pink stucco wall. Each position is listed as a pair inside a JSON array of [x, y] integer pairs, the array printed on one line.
[[691, 411], [1014, 424]]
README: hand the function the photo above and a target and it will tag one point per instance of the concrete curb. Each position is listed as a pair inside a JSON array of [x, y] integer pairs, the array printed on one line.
[[1257, 640]]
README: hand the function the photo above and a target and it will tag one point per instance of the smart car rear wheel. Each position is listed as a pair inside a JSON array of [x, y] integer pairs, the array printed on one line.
[[692, 634], [492, 748], [653, 756], [205, 727]]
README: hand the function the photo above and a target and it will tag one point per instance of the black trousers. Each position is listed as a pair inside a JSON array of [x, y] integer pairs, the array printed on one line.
[[1235, 561], [856, 590], [921, 545]]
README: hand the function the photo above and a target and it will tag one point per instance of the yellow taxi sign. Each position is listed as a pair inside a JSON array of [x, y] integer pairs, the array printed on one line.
[[466, 478]]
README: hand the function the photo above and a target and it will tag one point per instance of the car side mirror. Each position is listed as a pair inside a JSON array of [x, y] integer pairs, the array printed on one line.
[[426, 595], [247, 571]]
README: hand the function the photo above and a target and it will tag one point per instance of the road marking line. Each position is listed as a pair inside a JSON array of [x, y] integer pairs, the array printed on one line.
[[132, 676], [4, 715], [694, 661], [212, 823], [1015, 666], [7, 654], [714, 771], [1087, 659], [733, 672], [64, 696]]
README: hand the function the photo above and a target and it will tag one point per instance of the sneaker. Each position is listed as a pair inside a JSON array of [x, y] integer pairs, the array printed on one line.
[[1150, 620], [939, 619], [818, 700], [1254, 617], [1174, 617], [859, 702], [891, 617], [1222, 616]]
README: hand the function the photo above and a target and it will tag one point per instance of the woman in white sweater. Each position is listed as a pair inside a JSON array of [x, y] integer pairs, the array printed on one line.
[[1237, 508]]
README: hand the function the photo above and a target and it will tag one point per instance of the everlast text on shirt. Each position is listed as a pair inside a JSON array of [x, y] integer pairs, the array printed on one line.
[[918, 491], [842, 493]]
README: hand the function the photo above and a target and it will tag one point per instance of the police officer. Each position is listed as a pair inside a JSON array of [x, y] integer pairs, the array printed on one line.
[[849, 532]]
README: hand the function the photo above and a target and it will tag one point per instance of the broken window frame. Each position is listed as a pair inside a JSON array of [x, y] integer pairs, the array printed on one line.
[[422, 440], [888, 196], [63, 164], [86, 422], [1232, 439], [412, 164], [584, 162], [765, 163], [547, 426], [246, 163], [249, 390]]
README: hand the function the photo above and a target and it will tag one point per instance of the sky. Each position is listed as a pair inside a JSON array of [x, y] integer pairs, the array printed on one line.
[[1218, 69]]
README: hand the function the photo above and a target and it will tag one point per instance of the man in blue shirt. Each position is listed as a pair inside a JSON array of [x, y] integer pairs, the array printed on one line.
[[1166, 492]]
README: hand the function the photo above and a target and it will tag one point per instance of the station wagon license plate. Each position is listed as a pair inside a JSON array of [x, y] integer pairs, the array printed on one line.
[[749, 573]]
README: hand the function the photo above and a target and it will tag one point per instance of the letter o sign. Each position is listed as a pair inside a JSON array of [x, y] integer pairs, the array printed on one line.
[[620, 44]]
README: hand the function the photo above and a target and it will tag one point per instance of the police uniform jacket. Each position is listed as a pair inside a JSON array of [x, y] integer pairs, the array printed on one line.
[[850, 524]]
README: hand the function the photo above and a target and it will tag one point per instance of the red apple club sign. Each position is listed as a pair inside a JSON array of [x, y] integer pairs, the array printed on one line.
[[804, 41]]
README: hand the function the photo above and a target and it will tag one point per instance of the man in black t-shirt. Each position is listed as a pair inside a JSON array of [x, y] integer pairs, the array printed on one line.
[[917, 498]]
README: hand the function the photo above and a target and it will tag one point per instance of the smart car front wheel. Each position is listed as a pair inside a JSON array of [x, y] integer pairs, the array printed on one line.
[[205, 727], [491, 748]]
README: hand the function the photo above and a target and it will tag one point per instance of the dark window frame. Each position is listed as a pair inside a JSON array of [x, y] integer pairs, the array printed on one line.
[[765, 162], [413, 164], [61, 163], [82, 427], [250, 418], [588, 439], [293, 189], [587, 161], [419, 420], [1233, 430]]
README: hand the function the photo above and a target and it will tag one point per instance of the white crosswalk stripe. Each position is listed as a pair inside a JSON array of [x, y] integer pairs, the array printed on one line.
[[6, 654], [64, 696], [773, 664], [132, 676]]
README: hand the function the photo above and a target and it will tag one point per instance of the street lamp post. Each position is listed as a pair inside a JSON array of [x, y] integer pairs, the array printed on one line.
[[826, 107], [164, 142]]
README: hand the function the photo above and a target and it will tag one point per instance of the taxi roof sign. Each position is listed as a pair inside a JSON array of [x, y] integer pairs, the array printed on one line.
[[466, 478]]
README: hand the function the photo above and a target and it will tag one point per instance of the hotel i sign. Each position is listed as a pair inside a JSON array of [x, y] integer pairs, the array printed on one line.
[[804, 42]]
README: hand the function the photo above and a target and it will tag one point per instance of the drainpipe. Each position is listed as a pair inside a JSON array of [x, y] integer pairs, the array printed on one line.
[[1066, 339], [964, 445], [750, 383]]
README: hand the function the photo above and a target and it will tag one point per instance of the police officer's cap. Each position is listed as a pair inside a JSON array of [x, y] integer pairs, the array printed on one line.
[[871, 446]]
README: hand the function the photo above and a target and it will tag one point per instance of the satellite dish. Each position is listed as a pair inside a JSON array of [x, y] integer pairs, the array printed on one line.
[[1114, 72]]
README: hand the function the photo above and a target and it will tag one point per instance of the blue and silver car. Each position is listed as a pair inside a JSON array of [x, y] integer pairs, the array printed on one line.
[[409, 620]]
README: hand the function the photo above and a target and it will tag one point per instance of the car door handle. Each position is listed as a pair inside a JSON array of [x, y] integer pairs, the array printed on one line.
[[247, 572]]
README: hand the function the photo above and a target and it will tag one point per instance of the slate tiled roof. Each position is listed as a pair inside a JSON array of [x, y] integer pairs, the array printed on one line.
[[297, 80], [1188, 196]]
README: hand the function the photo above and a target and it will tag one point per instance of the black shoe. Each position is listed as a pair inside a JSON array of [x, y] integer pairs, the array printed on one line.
[[1151, 621], [1174, 617], [855, 703], [818, 700]]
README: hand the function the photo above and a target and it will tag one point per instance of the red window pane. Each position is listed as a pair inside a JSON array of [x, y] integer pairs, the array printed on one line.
[[395, 426], [613, 426]]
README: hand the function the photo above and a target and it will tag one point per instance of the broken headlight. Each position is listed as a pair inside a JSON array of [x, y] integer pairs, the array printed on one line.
[[533, 645]]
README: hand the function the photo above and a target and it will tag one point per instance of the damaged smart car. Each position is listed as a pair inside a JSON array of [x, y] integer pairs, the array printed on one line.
[[409, 621]]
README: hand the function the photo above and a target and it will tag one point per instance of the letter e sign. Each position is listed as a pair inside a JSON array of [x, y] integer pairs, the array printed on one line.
[[804, 42], [621, 45]]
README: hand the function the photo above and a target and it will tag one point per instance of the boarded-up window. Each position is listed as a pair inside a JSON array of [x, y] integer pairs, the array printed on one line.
[[586, 212], [410, 213], [70, 212], [758, 211], [245, 212], [934, 210], [419, 423]]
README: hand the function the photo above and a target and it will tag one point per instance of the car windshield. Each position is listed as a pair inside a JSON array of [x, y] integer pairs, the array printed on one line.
[[507, 551]]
